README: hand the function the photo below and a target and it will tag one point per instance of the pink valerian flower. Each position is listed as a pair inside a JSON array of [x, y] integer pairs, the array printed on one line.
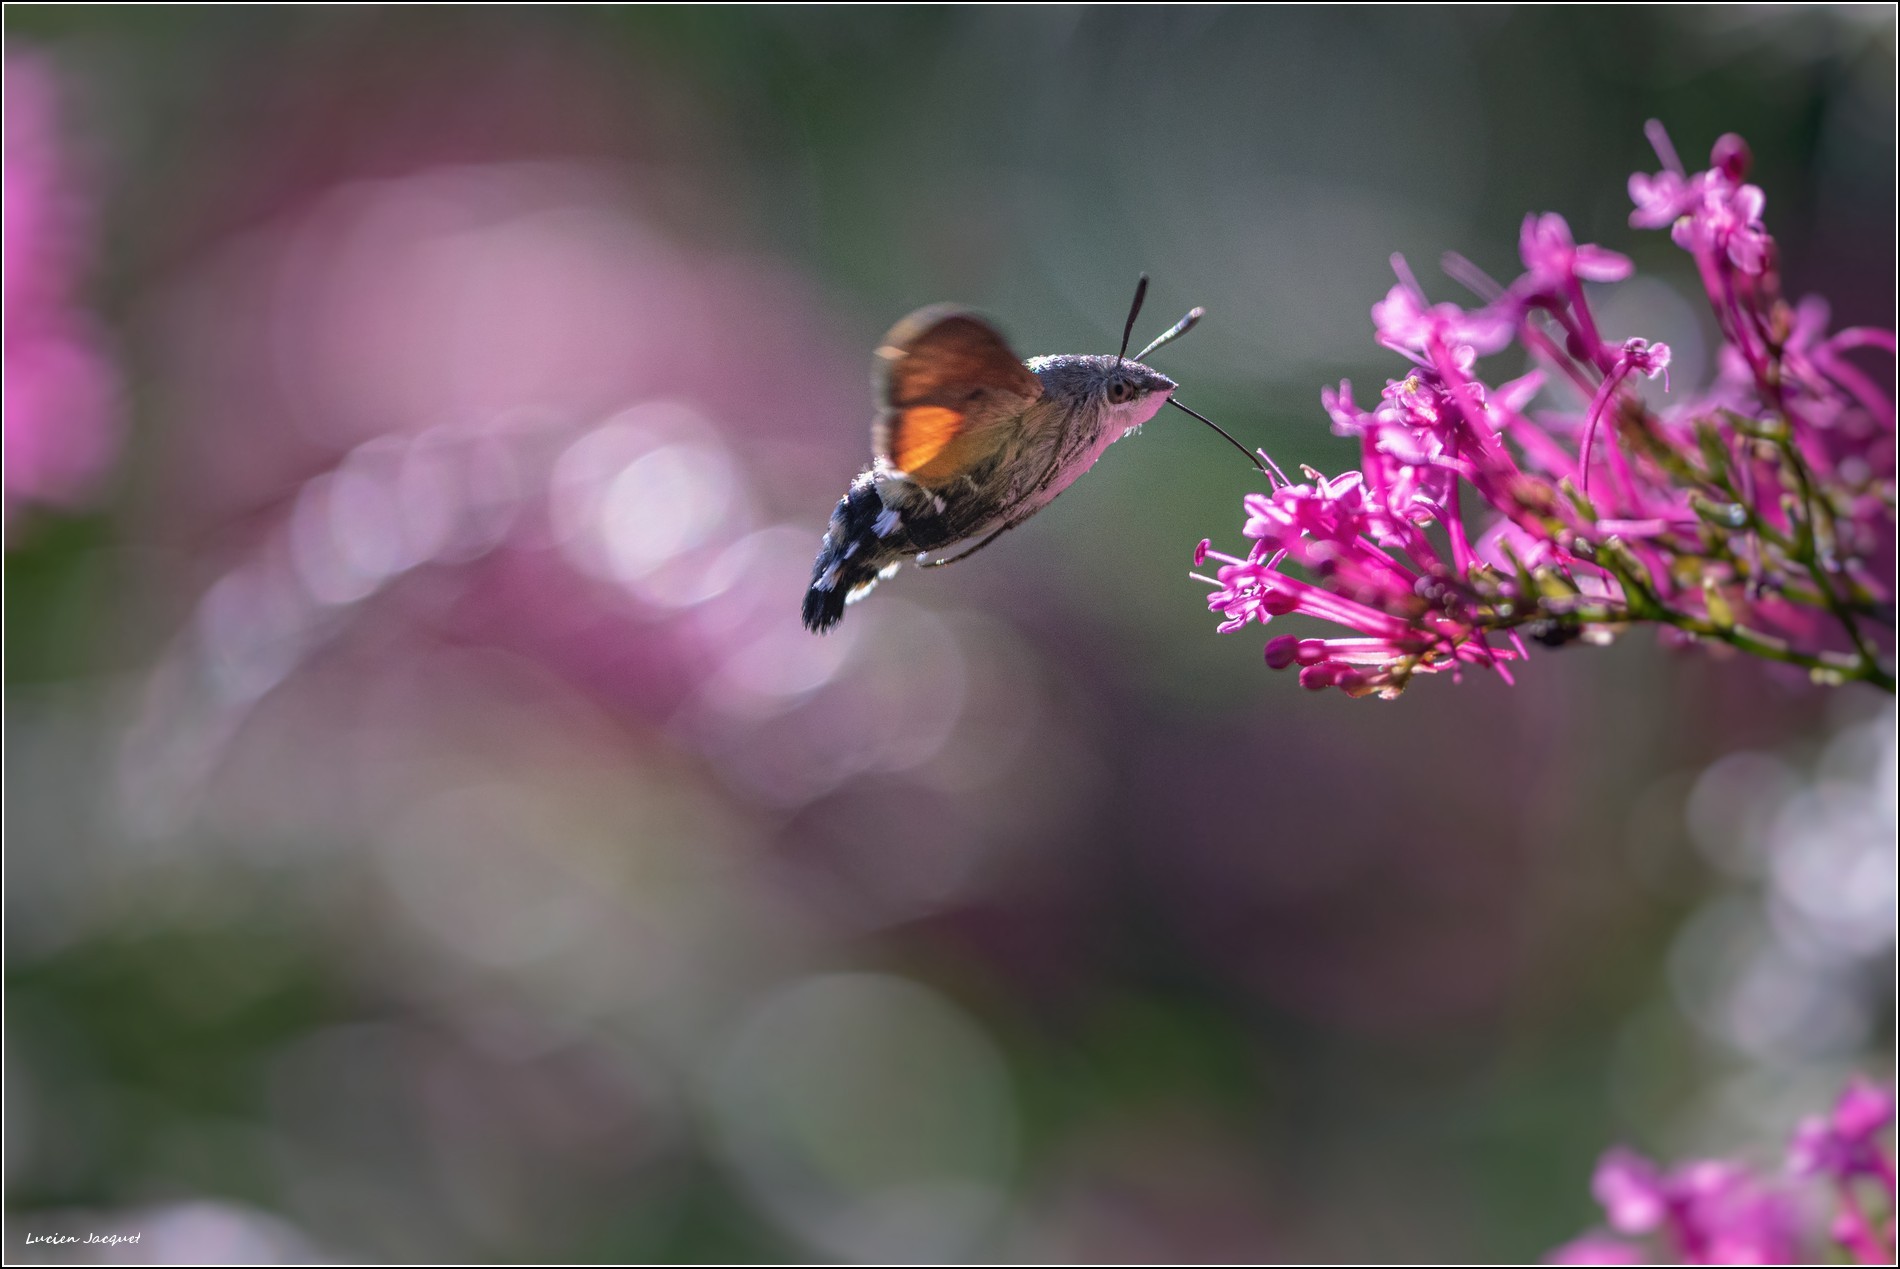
[[1709, 1212], [1758, 512], [1555, 259], [1557, 267], [61, 391], [1407, 324], [1715, 1211], [1846, 1144], [1362, 536], [1710, 211], [1666, 195], [1845, 1147]]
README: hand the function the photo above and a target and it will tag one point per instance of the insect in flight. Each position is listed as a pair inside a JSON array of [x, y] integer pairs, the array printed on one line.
[[971, 441]]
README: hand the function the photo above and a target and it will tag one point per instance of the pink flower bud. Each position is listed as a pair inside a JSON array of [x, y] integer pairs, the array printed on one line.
[[1731, 156], [1280, 602]]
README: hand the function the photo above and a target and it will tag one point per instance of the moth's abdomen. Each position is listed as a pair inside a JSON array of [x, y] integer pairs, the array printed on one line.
[[854, 555]]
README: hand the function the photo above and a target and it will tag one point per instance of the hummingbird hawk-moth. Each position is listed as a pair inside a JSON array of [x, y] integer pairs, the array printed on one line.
[[970, 441]]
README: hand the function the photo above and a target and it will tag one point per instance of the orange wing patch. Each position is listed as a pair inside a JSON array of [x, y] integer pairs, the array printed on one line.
[[922, 433], [950, 388]]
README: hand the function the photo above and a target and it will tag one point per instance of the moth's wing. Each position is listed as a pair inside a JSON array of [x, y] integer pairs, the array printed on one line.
[[949, 391]]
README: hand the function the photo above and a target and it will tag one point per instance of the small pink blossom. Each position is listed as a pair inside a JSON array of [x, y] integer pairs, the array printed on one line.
[[1716, 1211], [1407, 324], [1705, 1212], [1637, 356], [1633, 1193], [1846, 1143], [1731, 156], [1712, 212], [1727, 219], [1646, 358], [1846, 1147], [1659, 198], [1554, 260], [61, 390]]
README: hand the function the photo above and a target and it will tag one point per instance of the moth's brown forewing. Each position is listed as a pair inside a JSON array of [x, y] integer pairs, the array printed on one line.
[[950, 391]]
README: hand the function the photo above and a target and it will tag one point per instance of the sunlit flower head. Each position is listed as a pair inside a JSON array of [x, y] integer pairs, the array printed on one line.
[[1758, 513]]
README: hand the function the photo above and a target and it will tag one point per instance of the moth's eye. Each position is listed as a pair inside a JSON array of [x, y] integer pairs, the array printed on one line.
[[1120, 392]]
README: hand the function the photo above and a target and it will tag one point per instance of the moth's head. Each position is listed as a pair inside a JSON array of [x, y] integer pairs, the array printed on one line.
[[1130, 390]]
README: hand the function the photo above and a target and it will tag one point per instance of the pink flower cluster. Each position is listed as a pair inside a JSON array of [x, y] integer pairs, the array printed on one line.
[[1758, 513], [1715, 1212], [1845, 1147], [61, 391]]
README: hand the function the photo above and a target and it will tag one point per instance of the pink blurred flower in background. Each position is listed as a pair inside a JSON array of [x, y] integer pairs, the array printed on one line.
[[517, 405], [478, 486], [62, 391], [1719, 1212], [1845, 1147], [1705, 1212], [497, 400], [1758, 514]]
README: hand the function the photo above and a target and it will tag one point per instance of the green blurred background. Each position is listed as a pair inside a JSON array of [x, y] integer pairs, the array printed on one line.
[[430, 835]]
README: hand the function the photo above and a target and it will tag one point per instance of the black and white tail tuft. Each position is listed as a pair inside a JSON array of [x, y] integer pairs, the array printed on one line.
[[852, 557]]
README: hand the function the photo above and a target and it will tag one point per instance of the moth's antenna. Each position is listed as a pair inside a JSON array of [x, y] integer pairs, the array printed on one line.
[[1223, 431], [1134, 311], [1173, 332]]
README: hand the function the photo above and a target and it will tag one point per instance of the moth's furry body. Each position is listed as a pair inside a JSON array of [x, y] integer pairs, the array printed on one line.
[[1032, 447]]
